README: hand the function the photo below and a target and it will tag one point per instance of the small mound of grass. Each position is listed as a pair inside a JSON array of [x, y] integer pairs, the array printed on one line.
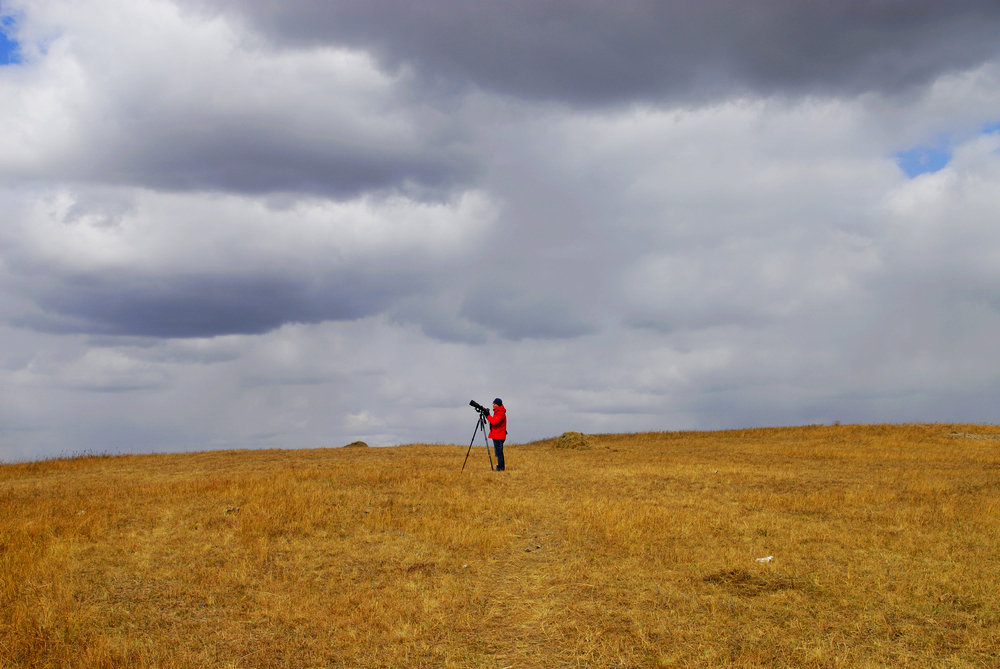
[[576, 441], [746, 584]]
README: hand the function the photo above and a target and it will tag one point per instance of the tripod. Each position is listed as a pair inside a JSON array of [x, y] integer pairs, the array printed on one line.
[[480, 425]]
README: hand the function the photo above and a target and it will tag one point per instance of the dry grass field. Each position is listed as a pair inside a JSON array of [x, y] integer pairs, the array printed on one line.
[[633, 550]]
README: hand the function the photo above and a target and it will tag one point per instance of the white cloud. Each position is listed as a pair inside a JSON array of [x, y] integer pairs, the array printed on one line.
[[80, 230], [143, 92], [97, 370]]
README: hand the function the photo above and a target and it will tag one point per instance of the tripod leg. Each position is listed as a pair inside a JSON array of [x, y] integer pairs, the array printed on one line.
[[482, 424], [474, 433]]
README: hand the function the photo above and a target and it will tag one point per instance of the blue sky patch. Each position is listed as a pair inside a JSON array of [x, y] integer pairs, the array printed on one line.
[[923, 159], [933, 156], [9, 49]]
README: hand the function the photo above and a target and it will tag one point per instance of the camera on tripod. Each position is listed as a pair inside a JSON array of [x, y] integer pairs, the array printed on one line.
[[484, 416]]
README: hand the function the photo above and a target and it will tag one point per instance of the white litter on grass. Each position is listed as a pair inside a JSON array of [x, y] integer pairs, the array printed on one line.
[[765, 559]]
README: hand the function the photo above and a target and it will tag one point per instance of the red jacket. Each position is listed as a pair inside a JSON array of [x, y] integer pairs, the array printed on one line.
[[498, 423]]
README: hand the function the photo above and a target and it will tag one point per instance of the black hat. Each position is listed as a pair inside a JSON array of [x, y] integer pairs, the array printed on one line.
[[498, 401]]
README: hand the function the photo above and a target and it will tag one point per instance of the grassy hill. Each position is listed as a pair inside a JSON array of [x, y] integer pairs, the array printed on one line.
[[883, 547]]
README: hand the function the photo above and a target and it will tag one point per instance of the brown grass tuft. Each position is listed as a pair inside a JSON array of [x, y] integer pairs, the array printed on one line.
[[574, 441], [639, 551]]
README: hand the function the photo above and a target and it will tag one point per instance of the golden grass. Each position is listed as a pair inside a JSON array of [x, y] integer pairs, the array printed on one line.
[[635, 550]]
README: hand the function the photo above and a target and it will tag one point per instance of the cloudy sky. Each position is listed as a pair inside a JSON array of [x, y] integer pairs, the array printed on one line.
[[248, 224]]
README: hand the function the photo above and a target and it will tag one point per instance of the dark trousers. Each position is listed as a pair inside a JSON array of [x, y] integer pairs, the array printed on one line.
[[498, 449]]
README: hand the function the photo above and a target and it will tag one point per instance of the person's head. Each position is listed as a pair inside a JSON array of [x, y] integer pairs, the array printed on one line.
[[498, 402]]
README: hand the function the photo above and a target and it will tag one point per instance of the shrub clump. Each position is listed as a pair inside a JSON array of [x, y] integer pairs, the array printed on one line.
[[357, 444]]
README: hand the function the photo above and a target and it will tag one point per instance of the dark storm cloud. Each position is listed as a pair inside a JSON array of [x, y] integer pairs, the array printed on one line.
[[207, 306], [271, 160], [189, 150], [600, 52]]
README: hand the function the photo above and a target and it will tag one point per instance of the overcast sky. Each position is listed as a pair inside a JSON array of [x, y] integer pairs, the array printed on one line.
[[248, 224]]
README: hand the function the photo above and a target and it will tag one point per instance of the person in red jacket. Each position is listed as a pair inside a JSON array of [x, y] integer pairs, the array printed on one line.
[[498, 430]]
